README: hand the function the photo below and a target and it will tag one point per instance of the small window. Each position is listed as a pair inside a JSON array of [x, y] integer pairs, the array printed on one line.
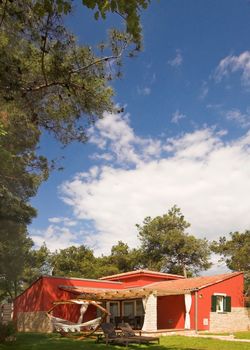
[[139, 308], [221, 303]]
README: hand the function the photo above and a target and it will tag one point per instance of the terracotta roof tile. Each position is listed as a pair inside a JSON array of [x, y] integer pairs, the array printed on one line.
[[188, 284]]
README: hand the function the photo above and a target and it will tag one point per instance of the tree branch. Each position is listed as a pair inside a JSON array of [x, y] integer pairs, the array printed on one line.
[[44, 86], [103, 59], [118, 13], [44, 48], [75, 71]]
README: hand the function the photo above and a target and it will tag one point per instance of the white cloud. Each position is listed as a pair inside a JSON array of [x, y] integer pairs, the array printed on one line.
[[144, 90], [217, 267], [204, 90], [55, 237], [215, 106], [62, 220], [177, 116], [177, 60], [117, 139], [205, 176], [103, 156], [242, 119], [233, 64]]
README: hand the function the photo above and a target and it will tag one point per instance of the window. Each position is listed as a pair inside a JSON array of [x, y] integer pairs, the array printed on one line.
[[133, 308], [221, 303], [128, 308], [114, 309]]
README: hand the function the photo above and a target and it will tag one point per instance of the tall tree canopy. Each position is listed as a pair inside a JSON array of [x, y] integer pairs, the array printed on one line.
[[125, 258], [81, 262], [15, 248], [165, 245], [74, 262], [235, 251], [49, 83]]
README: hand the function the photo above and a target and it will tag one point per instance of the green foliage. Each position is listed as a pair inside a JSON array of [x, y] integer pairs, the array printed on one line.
[[81, 262], [7, 331], [235, 251], [21, 172], [58, 85], [38, 263], [165, 245], [123, 257], [15, 248], [128, 10], [48, 83], [73, 262], [21, 169]]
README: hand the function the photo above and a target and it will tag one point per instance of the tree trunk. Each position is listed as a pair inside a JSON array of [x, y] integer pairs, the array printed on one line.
[[184, 271]]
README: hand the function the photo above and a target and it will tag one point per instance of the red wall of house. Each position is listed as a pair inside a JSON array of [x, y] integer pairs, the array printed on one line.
[[232, 287], [171, 309], [141, 279], [42, 293], [170, 312], [31, 299]]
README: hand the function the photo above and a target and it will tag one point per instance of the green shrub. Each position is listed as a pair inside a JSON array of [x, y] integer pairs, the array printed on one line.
[[7, 332]]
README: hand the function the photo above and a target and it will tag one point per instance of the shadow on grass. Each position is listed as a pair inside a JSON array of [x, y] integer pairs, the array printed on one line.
[[31, 341]]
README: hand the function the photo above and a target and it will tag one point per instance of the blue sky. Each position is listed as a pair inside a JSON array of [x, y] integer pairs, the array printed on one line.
[[183, 138]]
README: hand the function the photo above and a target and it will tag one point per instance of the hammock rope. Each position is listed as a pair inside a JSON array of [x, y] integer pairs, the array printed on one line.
[[67, 326]]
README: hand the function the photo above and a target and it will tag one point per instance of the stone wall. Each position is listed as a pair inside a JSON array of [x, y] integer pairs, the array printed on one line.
[[236, 320], [33, 322]]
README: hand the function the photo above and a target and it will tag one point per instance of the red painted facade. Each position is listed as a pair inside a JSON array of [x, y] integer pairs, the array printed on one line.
[[138, 279], [42, 293], [232, 287], [170, 309], [170, 312]]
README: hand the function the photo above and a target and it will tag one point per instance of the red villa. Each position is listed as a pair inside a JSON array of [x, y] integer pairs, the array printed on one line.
[[148, 300]]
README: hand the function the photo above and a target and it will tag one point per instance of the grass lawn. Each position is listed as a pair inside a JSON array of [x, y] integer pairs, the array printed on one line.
[[237, 335], [242, 335], [53, 341]]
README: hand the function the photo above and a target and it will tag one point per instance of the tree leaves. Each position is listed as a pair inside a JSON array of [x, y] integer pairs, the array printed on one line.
[[235, 251], [167, 247], [128, 10], [49, 84]]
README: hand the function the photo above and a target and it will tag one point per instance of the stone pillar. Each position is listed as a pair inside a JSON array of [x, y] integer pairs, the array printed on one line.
[[150, 317]]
